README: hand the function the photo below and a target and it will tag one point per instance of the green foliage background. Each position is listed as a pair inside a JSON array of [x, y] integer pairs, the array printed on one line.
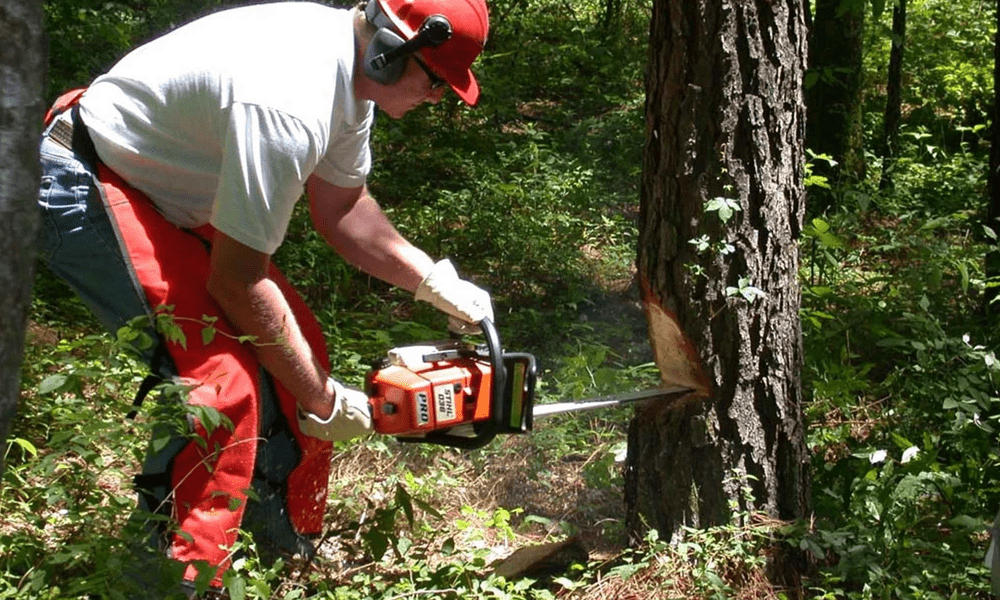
[[534, 194]]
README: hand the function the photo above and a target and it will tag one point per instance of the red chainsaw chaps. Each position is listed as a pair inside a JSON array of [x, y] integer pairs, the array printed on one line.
[[210, 480]]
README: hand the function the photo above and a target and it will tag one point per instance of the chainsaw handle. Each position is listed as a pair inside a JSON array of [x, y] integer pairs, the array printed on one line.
[[485, 430]]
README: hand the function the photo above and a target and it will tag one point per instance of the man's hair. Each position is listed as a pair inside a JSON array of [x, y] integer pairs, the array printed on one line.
[[362, 27]]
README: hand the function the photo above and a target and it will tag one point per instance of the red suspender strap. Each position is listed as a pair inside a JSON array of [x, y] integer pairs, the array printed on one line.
[[63, 102]]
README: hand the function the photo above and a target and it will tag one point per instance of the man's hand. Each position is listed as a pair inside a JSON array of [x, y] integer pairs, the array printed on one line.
[[351, 416], [465, 303]]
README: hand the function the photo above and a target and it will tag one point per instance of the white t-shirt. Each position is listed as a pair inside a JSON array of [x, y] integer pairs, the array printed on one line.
[[222, 120]]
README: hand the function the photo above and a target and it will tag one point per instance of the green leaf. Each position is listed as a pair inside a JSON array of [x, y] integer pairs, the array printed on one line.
[[817, 181], [968, 523], [235, 585], [427, 508], [377, 542], [700, 244], [51, 383], [207, 335], [901, 442], [716, 581], [263, 588], [964, 271], [820, 231], [448, 547], [403, 545], [725, 207], [126, 334], [171, 331], [159, 442], [403, 501], [567, 583], [25, 445]]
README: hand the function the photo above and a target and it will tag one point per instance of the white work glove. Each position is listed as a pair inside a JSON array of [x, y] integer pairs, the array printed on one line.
[[351, 416], [463, 302]]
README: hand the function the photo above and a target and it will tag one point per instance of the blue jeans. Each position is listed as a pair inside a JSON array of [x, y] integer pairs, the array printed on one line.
[[79, 244]]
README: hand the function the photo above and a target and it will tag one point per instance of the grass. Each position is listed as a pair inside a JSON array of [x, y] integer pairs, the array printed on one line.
[[67, 499]]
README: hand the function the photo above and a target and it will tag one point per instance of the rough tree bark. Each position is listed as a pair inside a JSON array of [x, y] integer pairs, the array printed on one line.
[[725, 120], [834, 97], [893, 94], [22, 71]]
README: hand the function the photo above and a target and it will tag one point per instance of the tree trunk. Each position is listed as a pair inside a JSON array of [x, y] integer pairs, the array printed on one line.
[[992, 299], [725, 120], [834, 94], [22, 70], [893, 94]]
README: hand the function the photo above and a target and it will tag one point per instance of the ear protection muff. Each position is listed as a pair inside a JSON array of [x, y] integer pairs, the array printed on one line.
[[382, 57]]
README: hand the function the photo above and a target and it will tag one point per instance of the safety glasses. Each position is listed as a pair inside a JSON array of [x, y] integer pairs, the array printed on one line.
[[436, 82]]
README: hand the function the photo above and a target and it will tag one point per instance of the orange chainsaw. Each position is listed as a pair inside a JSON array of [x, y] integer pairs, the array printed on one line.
[[463, 395]]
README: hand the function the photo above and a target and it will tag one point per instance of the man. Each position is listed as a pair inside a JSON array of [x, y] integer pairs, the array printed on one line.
[[170, 182]]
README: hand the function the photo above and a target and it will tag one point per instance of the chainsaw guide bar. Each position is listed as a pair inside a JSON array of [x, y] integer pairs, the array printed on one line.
[[668, 394]]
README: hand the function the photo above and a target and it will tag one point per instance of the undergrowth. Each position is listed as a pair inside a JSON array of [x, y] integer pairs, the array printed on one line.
[[904, 383], [534, 195]]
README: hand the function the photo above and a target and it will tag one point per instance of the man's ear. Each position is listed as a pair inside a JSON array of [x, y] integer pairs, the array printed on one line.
[[383, 42]]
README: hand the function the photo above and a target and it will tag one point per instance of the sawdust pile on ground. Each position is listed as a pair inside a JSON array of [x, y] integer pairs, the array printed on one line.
[[508, 478]]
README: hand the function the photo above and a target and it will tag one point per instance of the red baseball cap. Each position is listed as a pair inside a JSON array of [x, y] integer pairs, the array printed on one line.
[[470, 25]]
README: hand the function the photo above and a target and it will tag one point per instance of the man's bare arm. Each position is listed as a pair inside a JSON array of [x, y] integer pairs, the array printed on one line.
[[353, 223], [254, 304]]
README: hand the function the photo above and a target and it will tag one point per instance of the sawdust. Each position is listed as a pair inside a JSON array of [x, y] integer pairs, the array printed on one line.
[[544, 505]]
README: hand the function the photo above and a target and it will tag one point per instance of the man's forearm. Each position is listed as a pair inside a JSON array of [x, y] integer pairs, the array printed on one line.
[[259, 309], [353, 223], [367, 239]]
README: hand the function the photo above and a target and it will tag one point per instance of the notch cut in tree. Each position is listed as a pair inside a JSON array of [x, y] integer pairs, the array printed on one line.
[[674, 354]]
